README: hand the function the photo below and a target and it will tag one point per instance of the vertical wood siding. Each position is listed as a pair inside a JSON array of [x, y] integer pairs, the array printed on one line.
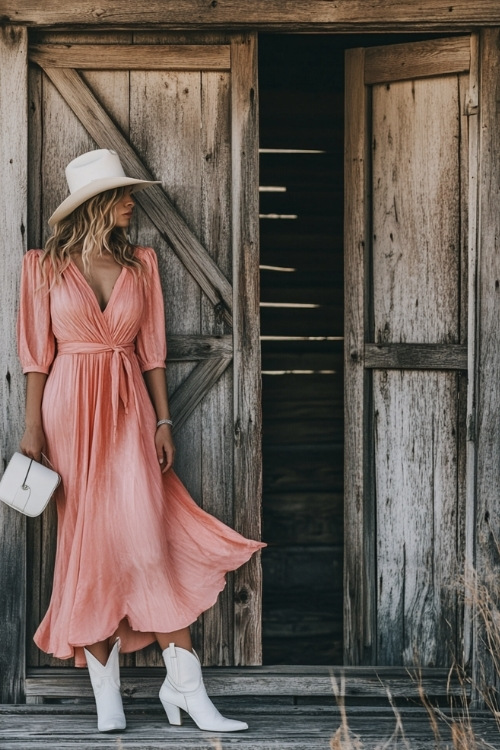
[[487, 520], [247, 420], [359, 589], [418, 559], [417, 296], [417, 277], [13, 220], [416, 210]]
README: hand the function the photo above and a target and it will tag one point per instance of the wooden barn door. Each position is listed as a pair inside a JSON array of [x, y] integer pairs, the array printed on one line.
[[411, 140], [182, 110]]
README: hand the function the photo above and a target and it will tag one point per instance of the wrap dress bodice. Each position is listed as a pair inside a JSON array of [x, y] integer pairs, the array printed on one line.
[[135, 554]]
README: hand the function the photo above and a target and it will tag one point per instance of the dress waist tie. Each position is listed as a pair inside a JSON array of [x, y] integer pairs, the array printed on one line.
[[121, 369]]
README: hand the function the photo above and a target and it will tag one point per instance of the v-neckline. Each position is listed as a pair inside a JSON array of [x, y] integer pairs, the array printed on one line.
[[91, 291]]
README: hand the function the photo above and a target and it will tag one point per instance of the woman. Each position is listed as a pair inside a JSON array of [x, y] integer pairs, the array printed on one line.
[[137, 559]]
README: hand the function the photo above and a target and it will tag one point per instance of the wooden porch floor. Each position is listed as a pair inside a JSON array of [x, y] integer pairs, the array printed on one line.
[[286, 707], [272, 727]]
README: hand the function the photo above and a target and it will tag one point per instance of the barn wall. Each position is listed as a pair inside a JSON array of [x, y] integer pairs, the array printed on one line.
[[13, 220]]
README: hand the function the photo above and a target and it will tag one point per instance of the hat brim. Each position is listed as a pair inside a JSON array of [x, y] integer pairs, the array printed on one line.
[[94, 188]]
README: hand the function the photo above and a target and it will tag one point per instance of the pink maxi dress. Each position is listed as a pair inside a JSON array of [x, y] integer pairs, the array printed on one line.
[[135, 553]]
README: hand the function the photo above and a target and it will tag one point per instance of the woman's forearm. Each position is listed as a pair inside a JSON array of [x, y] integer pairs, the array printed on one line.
[[157, 388], [35, 384], [33, 441]]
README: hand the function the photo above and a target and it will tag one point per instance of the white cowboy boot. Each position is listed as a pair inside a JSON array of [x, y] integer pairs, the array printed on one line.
[[184, 688], [106, 686]]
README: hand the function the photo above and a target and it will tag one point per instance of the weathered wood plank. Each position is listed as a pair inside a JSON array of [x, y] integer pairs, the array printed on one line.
[[359, 568], [143, 683], [471, 128], [294, 431], [416, 211], [416, 356], [199, 347], [217, 407], [247, 415], [304, 518], [285, 728], [302, 564], [34, 526], [13, 220], [344, 15], [303, 468], [324, 320], [418, 191], [399, 62], [154, 201], [418, 569], [487, 519], [189, 394], [133, 57]]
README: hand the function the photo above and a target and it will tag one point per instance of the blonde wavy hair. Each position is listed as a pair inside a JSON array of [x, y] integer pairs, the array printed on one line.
[[88, 228]]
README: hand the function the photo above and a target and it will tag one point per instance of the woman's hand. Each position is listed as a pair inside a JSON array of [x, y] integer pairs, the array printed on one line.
[[165, 448], [33, 443]]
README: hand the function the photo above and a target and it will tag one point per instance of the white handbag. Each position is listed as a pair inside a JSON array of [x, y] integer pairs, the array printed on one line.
[[27, 485]]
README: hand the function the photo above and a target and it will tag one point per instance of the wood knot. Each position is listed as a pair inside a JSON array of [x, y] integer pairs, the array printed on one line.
[[242, 596], [219, 312]]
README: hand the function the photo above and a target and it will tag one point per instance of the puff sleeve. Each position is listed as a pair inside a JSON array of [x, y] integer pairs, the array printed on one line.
[[35, 339], [150, 344]]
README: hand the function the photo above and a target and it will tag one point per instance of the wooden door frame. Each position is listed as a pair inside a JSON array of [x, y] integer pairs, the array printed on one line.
[[343, 16], [13, 171], [365, 66]]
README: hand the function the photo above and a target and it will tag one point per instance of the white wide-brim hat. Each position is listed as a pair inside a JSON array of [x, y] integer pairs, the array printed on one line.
[[93, 173]]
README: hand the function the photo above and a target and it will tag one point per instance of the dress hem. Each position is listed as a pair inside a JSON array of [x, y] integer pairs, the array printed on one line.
[[123, 648]]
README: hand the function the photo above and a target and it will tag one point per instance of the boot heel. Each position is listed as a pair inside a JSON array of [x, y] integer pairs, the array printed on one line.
[[173, 713]]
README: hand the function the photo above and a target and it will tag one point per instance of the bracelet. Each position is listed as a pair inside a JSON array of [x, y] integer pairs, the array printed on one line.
[[164, 421]]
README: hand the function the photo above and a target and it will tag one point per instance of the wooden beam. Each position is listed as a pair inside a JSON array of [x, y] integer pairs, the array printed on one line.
[[430, 58], [302, 15], [485, 431], [359, 516], [416, 356], [142, 683], [132, 57], [154, 201], [247, 414], [182, 348], [470, 243], [188, 395], [13, 220]]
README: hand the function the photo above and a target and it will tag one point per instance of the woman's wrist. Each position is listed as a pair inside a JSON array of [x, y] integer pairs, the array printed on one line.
[[33, 425], [167, 421]]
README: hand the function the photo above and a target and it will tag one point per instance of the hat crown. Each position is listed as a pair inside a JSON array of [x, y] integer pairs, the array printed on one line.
[[94, 165]]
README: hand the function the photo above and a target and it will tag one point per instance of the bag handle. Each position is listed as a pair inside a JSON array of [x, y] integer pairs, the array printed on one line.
[[49, 462]]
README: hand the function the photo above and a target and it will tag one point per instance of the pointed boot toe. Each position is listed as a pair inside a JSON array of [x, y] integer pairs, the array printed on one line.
[[184, 689]]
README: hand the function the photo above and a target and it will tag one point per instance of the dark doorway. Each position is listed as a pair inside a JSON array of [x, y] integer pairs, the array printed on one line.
[[301, 83], [301, 80]]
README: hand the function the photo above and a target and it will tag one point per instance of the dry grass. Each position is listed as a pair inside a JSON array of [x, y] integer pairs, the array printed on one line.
[[481, 595]]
